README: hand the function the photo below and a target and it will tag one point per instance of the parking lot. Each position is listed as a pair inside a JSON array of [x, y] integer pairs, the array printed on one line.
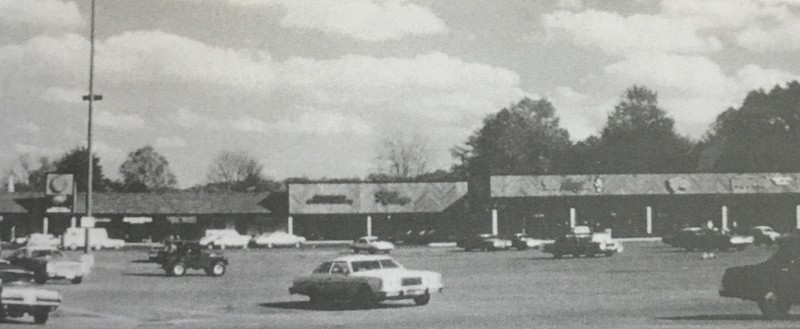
[[650, 285]]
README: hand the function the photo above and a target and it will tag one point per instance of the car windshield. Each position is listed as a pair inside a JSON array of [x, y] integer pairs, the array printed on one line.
[[324, 268], [389, 263]]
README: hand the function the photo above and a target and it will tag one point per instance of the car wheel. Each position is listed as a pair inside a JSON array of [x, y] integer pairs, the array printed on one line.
[[41, 316], [772, 307], [365, 299], [40, 277], [422, 300], [77, 280], [177, 269], [316, 300], [216, 269]]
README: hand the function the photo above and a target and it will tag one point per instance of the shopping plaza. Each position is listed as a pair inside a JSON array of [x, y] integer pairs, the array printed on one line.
[[542, 206]]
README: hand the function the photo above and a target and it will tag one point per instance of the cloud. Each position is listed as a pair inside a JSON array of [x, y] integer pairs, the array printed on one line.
[[367, 20], [784, 37], [189, 119], [36, 151], [693, 89], [111, 157], [51, 14], [570, 4], [30, 128], [616, 34], [118, 121], [59, 95], [316, 122], [170, 142]]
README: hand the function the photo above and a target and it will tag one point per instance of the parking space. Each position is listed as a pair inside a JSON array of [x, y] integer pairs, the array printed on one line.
[[650, 285]]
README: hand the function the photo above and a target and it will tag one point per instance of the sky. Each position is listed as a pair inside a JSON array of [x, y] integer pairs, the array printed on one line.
[[310, 87]]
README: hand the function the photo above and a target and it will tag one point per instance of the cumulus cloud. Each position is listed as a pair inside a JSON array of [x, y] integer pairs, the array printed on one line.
[[316, 122], [170, 142], [118, 121], [59, 95], [30, 128], [570, 4], [189, 119], [783, 37], [692, 88], [368, 20], [111, 157], [52, 14], [617, 34]]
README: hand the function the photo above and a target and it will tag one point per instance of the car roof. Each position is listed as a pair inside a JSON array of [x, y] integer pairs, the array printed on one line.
[[762, 227], [353, 258]]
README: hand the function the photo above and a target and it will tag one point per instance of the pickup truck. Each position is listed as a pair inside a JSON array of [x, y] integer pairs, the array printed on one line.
[[581, 241], [773, 284]]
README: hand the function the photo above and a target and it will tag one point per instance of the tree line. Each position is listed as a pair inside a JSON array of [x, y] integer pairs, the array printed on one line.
[[524, 138]]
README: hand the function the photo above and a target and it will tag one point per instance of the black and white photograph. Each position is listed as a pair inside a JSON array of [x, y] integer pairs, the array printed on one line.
[[446, 164]]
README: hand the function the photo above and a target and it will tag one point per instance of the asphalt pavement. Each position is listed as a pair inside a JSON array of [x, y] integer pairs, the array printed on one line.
[[650, 285]]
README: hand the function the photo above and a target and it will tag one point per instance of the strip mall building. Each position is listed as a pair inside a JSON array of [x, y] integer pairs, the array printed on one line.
[[543, 206]]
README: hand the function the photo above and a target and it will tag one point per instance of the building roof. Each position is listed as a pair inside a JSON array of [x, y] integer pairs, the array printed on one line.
[[374, 198], [167, 203], [650, 184]]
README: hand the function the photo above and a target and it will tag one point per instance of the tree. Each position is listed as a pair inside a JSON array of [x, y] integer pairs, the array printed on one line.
[[146, 170], [237, 171], [639, 137], [401, 156], [763, 135], [75, 162], [524, 139]]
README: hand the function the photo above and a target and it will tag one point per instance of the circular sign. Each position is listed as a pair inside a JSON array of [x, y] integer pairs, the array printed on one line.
[[59, 184]]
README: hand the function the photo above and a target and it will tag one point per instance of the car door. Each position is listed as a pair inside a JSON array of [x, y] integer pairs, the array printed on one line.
[[337, 281]]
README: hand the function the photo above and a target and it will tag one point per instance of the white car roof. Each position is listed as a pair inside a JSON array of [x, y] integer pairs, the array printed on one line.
[[763, 227], [356, 258]]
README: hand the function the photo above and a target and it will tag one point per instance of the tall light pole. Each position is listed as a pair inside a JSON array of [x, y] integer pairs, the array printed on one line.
[[91, 98]]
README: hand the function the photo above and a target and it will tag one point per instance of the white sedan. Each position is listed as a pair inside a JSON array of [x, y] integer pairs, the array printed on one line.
[[372, 245], [224, 239], [277, 239], [366, 281]]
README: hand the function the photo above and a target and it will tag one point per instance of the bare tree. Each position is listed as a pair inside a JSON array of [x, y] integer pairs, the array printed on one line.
[[233, 167], [402, 156]]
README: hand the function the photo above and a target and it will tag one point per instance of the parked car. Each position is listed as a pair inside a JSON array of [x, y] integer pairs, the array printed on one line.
[[764, 235], [75, 237], [193, 256], [20, 297], [484, 242], [773, 284], [372, 244], [366, 281], [225, 238], [581, 241], [697, 238], [38, 239], [277, 239], [12, 273], [522, 241], [48, 263]]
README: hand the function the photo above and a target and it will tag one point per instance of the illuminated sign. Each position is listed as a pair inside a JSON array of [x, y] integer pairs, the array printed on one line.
[[329, 199], [391, 197]]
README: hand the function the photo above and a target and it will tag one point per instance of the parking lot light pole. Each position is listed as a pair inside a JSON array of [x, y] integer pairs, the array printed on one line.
[[91, 98]]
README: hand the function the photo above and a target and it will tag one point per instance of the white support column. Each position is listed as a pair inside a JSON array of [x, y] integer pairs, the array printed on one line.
[[649, 220], [572, 217], [724, 218], [73, 222], [45, 224], [290, 225], [797, 216], [494, 222], [369, 225]]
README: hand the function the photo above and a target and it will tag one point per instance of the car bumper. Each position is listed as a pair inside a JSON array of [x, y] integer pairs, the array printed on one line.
[[406, 293]]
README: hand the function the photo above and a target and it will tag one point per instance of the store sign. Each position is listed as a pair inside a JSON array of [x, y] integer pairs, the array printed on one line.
[[182, 219], [137, 220], [678, 185], [391, 198], [748, 184], [329, 199], [781, 180]]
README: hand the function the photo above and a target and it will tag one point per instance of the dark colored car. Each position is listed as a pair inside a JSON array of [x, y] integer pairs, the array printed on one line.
[[773, 284], [193, 256], [576, 243], [696, 238], [13, 273], [484, 242]]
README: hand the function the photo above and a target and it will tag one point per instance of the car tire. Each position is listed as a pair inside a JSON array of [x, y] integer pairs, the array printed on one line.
[[216, 269], [365, 299], [41, 316], [177, 269], [77, 280], [422, 300], [315, 299], [773, 307], [40, 277]]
